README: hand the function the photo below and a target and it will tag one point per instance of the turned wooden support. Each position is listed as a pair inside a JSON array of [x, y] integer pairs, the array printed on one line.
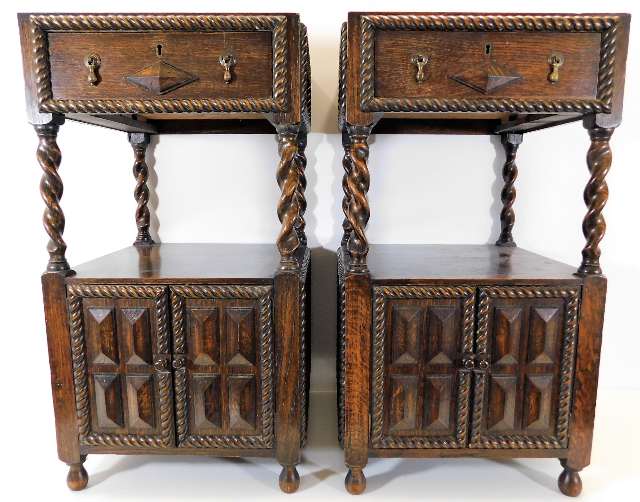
[[357, 186], [301, 163], [569, 481], [288, 176], [51, 189], [77, 478], [139, 143], [596, 194], [510, 142], [346, 199]]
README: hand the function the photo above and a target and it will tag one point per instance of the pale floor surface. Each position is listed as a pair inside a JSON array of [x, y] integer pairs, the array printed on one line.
[[613, 476]]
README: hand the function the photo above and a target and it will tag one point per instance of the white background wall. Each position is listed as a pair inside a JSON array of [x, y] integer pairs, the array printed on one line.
[[440, 189]]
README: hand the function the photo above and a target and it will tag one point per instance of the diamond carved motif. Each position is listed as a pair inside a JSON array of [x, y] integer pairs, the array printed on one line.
[[488, 78], [161, 78]]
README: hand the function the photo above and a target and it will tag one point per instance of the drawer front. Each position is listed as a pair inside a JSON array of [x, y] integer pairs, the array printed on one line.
[[121, 366], [526, 343], [131, 64], [150, 65], [223, 360], [492, 63], [420, 386], [470, 65]]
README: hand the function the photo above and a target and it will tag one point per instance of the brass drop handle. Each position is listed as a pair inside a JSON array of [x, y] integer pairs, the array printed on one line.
[[555, 61], [420, 61], [92, 61], [227, 63]]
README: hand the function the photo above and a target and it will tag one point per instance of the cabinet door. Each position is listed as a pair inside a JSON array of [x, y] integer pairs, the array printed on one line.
[[525, 344], [121, 365], [422, 335], [223, 361]]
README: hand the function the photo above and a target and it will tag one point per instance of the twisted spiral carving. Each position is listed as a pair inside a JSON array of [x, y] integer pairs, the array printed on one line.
[[342, 76], [607, 25], [305, 76], [346, 199], [141, 191], [301, 164], [79, 364], [596, 194], [358, 208], [341, 348], [508, 194], [288, 205], [51, 188]]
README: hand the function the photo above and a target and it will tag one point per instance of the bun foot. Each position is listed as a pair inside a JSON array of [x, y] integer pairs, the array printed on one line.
[[355, 482], [289, 479], [77, 478], [569, 482]]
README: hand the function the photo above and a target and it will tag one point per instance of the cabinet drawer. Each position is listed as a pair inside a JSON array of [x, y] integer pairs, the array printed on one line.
[[489, 63], [469, 65], [149, 65]]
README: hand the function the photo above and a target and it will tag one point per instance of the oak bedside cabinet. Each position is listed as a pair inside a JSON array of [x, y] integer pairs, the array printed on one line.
[[473, 350], [177, 349]]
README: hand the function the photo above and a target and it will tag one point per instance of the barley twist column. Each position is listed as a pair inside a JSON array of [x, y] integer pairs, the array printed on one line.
[[357, 186], [51, 188], [301, 163], [139, 143], [596, 194], [510, 142], [346, 199], [288, 175]]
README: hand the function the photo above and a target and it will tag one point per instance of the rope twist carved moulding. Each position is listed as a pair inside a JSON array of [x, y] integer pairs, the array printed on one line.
[[41, 24]]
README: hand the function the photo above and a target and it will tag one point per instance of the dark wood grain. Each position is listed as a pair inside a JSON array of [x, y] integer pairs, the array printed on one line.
[[175, 349], [528, 319], [463, 262], [456, 53], [124, 54]]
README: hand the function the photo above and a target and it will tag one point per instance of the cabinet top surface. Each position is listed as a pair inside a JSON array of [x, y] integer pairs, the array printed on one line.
[[161, 262], [409, 262]]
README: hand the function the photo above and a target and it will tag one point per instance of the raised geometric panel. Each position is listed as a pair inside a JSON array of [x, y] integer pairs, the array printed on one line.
[[161, 77], [501, 414], [438, 391], [487, 78], [206, 403], [441, 335], [507, 327], [136, 336], [405, 335], [240, 336], [544, 333], [538, 402], [141, 401], [102, 340], [242, 402], [403, 403], [108, 401], [204, 342]]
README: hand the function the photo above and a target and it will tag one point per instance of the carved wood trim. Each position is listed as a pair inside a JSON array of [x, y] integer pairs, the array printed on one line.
[[75, 295], [51, 188], [289, 209], [263, 295], [596, 193], [381, 295], [514, 441], [607, 25], [510, 142], [342, 76], [41, 24], [355, 187], [341, 352], [139, 143], [305, 347], [305, 76]]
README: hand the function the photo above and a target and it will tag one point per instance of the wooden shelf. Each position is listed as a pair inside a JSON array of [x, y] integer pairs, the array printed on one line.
[[444, 263], [225, 263]]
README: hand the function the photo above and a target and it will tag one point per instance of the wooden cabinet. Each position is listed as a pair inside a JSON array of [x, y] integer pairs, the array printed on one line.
[[478, 350], [175, 349]]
